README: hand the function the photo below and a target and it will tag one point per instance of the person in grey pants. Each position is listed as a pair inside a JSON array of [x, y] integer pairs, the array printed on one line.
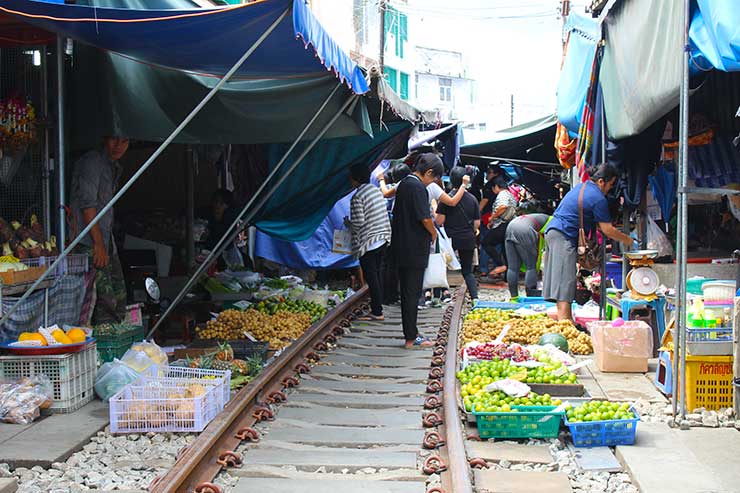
[[523, 242]]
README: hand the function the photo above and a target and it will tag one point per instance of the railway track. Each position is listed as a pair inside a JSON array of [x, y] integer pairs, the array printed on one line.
[[344, 408]]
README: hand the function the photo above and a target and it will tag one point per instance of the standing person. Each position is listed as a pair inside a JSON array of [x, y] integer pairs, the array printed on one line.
[[371, 233], [561, 235], [461, 224], [412, 233], [94, 182], [524, 244], [504, 210]]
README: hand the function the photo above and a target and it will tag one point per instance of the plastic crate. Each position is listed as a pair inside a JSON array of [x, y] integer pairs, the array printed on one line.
[[604, 433], [178, 376], [111, 346], [152, 408], [526, 422], [72, 375], [708, 382], [719, 334]]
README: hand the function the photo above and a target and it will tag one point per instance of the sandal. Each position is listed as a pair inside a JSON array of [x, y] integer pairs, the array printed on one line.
[[419, 342], [371, 318]]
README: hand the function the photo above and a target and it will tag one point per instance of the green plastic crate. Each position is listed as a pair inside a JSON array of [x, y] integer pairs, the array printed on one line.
[[112, 346], [526, 422]]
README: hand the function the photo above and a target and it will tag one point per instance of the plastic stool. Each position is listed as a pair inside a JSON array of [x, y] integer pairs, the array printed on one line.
[[664, 373], [658, 304]]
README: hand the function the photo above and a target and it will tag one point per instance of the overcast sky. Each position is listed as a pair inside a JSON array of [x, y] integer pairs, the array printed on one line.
[[509, 46]]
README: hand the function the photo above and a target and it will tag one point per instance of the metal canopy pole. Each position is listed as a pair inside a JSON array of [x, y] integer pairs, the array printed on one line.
[[148, 162], [62, 240], [602, 284], [681, 258], [247, 212]]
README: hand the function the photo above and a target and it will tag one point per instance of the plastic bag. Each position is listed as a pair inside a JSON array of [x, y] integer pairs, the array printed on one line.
[[21, 401], [657, 240], [112, 377], [510, 387], [435, 275], [154, 352], [445, 248]]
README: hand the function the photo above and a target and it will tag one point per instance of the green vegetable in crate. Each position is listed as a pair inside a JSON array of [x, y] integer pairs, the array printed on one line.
[[598, 411], [276, 283], [557, 340], [499, 402]]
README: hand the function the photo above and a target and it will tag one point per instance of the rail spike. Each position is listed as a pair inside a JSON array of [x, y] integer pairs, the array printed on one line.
[[478, 463], [229, 458], [248, 434], [276, 396], [302, 368], [431, 420], [263, 414], [432, 440], [434, 386], [433, 464], [208, 487], [432, 402], [290, 382]]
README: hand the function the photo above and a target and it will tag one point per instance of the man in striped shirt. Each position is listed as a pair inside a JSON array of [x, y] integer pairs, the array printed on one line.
[[371, 234]]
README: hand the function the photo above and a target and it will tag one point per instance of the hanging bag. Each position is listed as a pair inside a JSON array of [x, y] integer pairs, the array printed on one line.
[[446, 249], [589, 251], [435, 275]]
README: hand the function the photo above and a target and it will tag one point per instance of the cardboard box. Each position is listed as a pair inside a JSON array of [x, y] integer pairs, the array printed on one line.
[[622, 349]]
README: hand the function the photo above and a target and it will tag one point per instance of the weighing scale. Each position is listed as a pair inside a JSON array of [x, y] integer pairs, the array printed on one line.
[[642, 280]]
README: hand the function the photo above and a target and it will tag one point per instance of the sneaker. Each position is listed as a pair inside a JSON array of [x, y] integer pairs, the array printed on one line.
[[422, 307], [419, 342]]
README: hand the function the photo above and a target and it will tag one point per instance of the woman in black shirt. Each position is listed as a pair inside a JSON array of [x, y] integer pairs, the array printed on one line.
[[461, 224]]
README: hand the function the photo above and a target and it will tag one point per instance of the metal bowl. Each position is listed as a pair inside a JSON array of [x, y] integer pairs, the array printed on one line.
[[641, 254]]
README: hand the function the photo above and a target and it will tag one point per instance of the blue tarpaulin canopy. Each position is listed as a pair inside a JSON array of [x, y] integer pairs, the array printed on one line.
[[715, 35], [313, 253], [202, 41], [575, 76]]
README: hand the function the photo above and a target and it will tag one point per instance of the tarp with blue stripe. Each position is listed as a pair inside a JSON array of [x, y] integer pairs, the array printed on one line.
[[202, 41], [583, 37]]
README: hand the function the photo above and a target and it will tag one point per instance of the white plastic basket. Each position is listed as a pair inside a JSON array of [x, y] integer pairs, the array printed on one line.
[[177, 375], [72, 375], [141, 409], [74, 263], [718, 290]]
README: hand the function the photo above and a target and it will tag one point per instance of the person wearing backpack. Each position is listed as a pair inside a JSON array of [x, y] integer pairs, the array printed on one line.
[[461, 223]]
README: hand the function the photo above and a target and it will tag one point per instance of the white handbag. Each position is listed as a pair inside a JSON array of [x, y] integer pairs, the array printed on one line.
[[435, 275]]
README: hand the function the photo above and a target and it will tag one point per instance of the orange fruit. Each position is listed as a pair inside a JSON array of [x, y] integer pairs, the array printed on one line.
[[61, 337], [25, 336], [32, 336], [77, 334]]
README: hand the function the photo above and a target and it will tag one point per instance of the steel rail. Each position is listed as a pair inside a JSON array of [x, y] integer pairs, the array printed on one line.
[[458, 466], [199, 463]]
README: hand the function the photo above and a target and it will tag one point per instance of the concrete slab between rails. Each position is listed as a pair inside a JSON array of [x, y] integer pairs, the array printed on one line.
[[358, 340], [271, 485], [8, 485], [510, 451], [343, 436], [596, 459], [661, 461], [356, 400], [399, 352], [322, 415], [331, 458], [502, 481], [290, 472], [378, 361], [53, 438], [364, 385], [366, 371]]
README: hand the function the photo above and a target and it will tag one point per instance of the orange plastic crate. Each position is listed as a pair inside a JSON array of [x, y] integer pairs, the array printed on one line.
[[708, 382]]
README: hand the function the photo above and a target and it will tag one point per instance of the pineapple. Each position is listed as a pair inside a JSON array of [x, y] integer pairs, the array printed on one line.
[[240, 366], [220, 365], [225, 352], [192, 362], [206, 362]]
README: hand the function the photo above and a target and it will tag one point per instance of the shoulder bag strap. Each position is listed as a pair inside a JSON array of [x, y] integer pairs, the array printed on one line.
[[580, 205]]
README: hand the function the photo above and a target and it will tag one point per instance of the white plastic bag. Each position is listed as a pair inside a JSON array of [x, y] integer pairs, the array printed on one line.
[[112, 377], [657, 240], [435, 275], [445, 248], [154, 352]]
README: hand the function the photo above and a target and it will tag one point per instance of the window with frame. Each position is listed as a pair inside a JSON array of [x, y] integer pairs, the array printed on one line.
[[445, 89]]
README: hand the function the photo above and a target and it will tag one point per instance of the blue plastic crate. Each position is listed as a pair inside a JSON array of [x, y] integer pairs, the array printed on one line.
[[497, 305], [604, 433]]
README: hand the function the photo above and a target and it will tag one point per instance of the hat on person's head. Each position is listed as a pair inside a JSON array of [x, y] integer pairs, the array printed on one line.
[[115, 132]]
